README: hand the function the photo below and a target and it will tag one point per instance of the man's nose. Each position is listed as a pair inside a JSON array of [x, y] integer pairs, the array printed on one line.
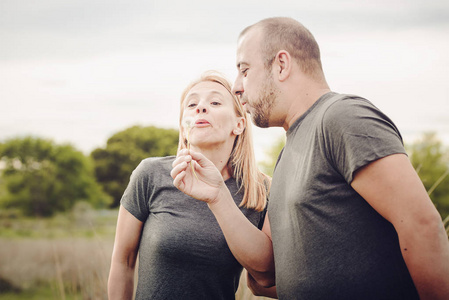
[[237, 88]]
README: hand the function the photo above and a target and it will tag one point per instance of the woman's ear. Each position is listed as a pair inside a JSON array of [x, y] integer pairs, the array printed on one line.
[[240, 126]]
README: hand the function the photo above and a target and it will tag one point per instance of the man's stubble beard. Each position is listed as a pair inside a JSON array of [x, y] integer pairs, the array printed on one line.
[[262, 109]]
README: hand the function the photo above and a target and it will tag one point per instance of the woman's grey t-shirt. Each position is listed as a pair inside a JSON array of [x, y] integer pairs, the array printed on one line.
[[329, 243], [183, 253]]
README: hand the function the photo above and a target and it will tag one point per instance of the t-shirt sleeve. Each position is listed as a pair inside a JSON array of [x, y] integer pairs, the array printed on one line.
[[135, 198], [356, 133]]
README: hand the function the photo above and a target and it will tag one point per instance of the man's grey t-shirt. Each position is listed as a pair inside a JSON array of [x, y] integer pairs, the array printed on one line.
[[183, 253], [329, 243]]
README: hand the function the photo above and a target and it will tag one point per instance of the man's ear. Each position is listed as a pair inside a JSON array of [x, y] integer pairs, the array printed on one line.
[[283, 62], [240, 126]]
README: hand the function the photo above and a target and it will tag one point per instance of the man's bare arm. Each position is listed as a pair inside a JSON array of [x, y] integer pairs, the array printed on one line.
[[392, 187]]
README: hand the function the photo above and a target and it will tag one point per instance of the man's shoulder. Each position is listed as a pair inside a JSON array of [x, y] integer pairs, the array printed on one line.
[[344, 102], [346, 107]]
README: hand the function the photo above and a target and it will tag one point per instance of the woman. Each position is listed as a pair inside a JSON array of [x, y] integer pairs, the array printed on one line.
[[182, 251]]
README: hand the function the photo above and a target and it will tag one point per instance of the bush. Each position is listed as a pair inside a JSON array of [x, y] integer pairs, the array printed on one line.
[[41, 178], [125, 150]]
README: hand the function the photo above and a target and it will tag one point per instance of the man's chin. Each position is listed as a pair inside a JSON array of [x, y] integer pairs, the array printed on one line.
[[259, 122]]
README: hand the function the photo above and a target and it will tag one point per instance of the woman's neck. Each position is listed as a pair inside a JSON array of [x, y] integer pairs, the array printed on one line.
[[219, 156]]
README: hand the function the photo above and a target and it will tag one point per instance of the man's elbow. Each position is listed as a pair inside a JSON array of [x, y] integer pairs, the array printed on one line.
[[430, 223], [426, 228]]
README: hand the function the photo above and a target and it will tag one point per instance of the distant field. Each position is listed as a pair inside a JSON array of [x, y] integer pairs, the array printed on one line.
[[65, 257]]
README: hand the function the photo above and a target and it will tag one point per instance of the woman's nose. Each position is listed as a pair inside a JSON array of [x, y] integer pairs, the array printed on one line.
[[201, 109]]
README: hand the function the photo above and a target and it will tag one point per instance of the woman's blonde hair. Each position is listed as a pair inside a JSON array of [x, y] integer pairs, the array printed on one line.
[[242, 162]]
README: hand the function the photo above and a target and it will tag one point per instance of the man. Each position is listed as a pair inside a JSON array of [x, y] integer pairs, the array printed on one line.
[[348, 216]]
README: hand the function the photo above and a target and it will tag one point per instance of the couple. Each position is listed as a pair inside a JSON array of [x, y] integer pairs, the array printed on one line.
[[347, 216]]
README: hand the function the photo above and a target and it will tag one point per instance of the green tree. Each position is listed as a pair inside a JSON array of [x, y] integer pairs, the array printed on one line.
[[125, 150], [41, 178], [431, 161], [267, 166], [428, 156]]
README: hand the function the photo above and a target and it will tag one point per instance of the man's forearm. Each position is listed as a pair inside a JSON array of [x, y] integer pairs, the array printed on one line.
[[426, 253]]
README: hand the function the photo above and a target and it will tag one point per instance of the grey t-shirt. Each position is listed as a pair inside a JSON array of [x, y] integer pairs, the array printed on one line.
[[329, 243], [183, 253]]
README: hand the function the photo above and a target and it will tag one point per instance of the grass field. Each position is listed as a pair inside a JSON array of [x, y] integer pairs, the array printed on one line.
[[64, 257]]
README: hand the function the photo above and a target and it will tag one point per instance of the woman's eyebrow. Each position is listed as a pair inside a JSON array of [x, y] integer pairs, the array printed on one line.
[[195, 94], [216, 93]]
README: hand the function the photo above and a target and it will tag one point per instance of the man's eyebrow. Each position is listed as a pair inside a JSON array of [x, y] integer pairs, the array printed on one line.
[[241, 63]]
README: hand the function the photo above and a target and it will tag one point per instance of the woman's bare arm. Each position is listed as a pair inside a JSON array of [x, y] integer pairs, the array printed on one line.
[[124, 256]]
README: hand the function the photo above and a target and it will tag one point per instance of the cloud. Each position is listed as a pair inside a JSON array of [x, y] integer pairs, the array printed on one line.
[[81, 28], [81, 70]]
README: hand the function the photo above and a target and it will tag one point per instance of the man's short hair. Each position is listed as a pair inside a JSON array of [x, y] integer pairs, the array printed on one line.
[[283, 33]]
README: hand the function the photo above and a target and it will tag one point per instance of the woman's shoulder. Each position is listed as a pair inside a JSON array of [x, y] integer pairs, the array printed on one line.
[[158, 161], [154, 164]]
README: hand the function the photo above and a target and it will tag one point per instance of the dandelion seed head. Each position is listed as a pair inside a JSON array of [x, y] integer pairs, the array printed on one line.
[[187, 122]]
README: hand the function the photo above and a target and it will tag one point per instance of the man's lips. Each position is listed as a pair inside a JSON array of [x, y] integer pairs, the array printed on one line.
[[245, 106]]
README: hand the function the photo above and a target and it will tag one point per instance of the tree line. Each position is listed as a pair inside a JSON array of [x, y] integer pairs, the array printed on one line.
[[428, 155], [40, 178]]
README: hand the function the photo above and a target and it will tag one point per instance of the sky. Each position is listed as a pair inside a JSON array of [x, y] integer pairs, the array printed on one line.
[[78, 71]]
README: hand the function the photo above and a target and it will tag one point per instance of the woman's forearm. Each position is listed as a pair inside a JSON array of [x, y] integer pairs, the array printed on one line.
[[251, 247], [121, 282]]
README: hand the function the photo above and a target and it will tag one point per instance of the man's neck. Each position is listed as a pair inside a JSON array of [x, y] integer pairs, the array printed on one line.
[[302, 101]]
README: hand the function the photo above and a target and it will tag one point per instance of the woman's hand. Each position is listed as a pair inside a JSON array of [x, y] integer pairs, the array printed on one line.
[[208, 183]]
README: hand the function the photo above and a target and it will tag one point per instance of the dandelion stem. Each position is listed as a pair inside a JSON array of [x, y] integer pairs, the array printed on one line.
[[188, 147]]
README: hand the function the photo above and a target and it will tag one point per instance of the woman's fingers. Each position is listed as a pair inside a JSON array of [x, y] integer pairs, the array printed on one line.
[[183, 155], [188, 156], [178, 180], [184, 161], [200, 159], [180, 163], [178, 168]]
